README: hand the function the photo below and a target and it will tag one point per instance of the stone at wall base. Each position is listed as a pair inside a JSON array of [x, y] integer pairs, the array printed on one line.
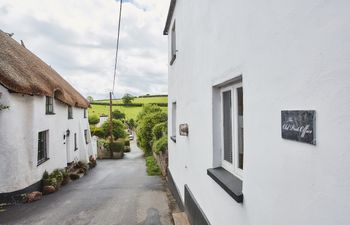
[[33, 196]]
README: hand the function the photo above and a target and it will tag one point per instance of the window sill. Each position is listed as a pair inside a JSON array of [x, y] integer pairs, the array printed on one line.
[[42, 161], [70, 118], [173, 138], [76, 149], [50, 113], [172, 60], [230, 183]]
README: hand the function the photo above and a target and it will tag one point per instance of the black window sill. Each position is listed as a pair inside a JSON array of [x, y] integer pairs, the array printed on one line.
[[50, 113], [42, 161], [173, 138], [172, 60], [76, 149], [229, 182]]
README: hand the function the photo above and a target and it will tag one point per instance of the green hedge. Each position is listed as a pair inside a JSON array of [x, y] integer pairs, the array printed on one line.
[[117, 146], [152, 166], [160, 145]]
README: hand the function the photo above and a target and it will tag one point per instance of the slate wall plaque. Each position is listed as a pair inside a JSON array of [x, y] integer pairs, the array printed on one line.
[[299, 125]]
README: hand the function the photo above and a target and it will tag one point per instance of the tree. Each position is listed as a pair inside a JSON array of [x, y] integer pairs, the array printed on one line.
[[118, 115], [94, 119], [145, 126], [127, 99], [90, 99], [118, 129], [131, 124], [148, 109]]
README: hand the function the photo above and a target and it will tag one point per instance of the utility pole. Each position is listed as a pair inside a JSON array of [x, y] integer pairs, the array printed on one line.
[[110, 125]]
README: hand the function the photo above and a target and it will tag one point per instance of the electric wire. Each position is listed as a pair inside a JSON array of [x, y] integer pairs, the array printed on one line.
[[117, 47]]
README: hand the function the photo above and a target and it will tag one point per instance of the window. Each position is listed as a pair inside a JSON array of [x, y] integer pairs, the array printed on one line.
[[173, 44], [84, 113], [70, 112], [42, 146], [75, 142], [232, 144], [173, 122], [49, 105], [86, 136]]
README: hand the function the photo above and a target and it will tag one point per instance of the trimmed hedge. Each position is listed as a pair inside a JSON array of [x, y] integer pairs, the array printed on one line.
[[117, 146], [160, 145]]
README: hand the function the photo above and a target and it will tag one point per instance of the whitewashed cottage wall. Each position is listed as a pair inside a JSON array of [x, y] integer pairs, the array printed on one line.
[[19, 127], [292, 55]]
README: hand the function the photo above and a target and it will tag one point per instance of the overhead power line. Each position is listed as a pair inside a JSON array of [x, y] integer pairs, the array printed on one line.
[[117, 47]]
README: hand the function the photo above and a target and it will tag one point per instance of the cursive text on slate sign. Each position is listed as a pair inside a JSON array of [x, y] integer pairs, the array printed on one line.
[[299, 125]]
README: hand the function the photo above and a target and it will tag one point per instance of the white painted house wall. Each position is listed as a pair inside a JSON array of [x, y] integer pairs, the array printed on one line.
[[292, 55], [19, 128]]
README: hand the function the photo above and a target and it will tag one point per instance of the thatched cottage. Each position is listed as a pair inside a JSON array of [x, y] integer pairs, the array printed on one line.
[[45, 126]]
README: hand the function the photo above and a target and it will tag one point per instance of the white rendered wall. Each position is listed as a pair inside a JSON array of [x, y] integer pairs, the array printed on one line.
[[19, 128], [292, 55]]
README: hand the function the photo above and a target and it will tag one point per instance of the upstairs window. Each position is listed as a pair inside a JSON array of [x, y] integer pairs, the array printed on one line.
[[85, 113], [70, 112], [42, 146], [49, 105], [232, 128], [173, 44]]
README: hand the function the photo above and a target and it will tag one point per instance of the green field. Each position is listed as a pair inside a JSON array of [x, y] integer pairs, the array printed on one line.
[[130, 111], [140, 100]]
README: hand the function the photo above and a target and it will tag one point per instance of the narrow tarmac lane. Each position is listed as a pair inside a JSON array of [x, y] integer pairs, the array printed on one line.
[[115, 192]]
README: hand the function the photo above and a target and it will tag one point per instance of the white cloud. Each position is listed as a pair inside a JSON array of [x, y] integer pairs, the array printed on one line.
[[77, 38]]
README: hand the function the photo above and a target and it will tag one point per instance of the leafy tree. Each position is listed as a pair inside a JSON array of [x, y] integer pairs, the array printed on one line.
[[94, 119], [127, 99], [118, 129], [131, 123], [144, 129], [118, 115], [148, 109], [90, 99]]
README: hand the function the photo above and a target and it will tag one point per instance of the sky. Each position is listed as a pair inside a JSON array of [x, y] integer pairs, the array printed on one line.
[[78, 39]]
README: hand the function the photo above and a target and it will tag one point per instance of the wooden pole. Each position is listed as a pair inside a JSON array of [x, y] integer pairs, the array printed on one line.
[[110, 124]]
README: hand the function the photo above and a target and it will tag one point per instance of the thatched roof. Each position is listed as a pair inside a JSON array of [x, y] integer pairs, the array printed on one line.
[[23, 72]]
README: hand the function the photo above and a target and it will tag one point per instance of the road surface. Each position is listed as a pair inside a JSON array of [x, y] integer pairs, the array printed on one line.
[[115, 192]]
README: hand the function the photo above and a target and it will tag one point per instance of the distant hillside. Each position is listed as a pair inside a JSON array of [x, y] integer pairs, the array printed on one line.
[[99, 107]]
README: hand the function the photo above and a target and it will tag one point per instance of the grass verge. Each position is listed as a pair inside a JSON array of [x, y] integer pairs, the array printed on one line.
[[152, 166]]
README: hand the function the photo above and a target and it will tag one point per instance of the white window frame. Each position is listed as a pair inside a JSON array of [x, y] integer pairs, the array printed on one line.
[[231, 167]]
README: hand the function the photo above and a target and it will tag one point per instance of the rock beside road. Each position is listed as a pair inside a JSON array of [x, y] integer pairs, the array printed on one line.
[[33, 196], [48, 189]]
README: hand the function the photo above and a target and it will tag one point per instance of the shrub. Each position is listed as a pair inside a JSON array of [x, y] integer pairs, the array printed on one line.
[[152, 166], [97, 131], [74, 176], [94, 119], [57, 174], [160, 145], [117, 146], [118, 115], [118, 129], [146, 124], [159, 130]]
